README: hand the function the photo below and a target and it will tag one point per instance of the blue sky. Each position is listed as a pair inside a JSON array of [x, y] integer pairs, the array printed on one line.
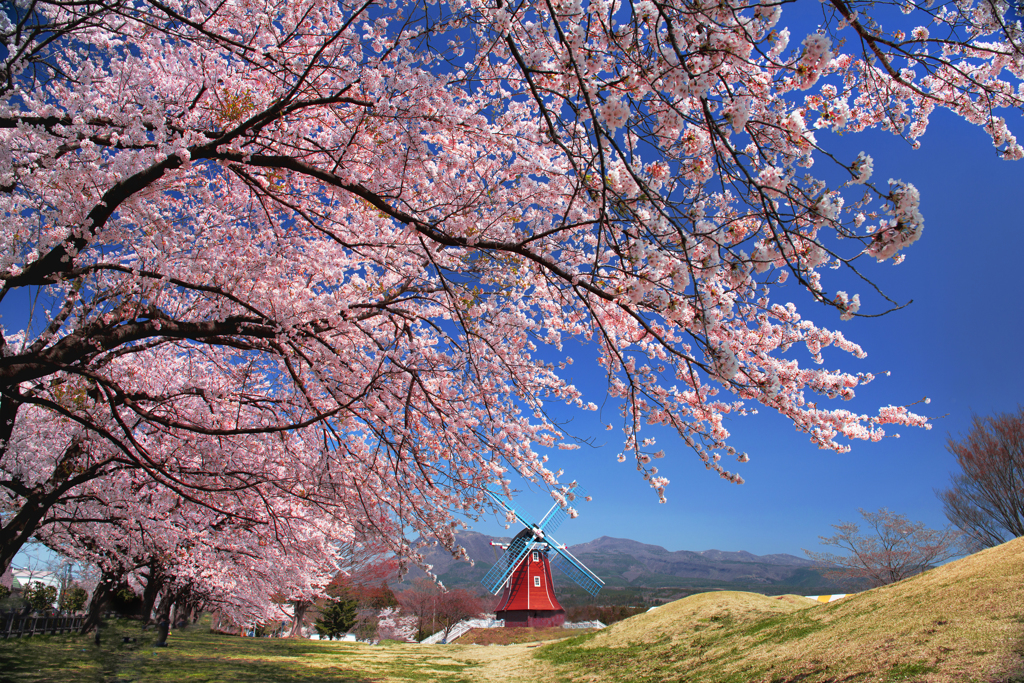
[[958, 343]]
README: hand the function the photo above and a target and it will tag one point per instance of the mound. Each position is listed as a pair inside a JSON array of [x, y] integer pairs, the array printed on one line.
[[960, 622], [682, 616]]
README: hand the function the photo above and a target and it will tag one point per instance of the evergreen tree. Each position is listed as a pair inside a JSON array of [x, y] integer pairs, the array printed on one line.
[[337, 618]]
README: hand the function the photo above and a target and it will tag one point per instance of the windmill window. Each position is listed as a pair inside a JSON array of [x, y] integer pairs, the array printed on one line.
[[536, 582], [535, 558]]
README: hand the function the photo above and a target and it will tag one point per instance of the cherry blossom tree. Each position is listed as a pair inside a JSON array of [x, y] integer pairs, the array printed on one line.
[[333, 249], [144, 534], [890, 549], [392, 626]]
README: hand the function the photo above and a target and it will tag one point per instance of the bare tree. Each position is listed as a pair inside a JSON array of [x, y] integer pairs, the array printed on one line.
[[986, 498], [455, 605], [892, 548], [438, 609], [421, 602]]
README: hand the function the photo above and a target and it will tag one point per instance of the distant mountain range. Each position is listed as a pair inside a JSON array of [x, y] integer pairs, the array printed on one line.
[[650, 570]]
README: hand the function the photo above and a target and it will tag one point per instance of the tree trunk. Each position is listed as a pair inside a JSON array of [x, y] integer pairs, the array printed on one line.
[[192, 608], [300, 607], [163, 616], [100, 599], [19, 528], [154, 582]]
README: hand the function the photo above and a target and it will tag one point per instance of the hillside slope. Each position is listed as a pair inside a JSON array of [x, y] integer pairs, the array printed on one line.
[[958, 623]]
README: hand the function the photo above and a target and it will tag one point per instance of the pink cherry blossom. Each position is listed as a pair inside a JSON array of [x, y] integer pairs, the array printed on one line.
[[300, 278]]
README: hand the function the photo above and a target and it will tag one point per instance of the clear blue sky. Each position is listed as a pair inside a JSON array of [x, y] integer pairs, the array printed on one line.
[[959, 343]]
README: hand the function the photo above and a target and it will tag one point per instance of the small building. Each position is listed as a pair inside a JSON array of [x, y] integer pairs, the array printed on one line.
[[21, 578]]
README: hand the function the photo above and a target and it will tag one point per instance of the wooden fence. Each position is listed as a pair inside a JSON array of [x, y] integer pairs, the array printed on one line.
[[15, 626]]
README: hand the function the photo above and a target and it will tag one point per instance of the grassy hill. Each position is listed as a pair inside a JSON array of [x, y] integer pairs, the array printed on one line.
[[957, 623]]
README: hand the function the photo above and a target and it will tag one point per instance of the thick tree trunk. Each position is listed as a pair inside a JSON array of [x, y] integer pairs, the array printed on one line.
[[300, 607], [100, 599], [21, 526], [163, 616], [154, 582]]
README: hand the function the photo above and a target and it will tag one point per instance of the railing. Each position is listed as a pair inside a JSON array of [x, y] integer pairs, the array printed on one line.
[[465, 625], [461, 628], [584, 624], [15, 626]]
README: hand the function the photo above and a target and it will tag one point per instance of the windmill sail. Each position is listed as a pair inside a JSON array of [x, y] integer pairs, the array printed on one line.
[[575, 570], [526, 521], [558, 514], [553, 519], [509, 560]]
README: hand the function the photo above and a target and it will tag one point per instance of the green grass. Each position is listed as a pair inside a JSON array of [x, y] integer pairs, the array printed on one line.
[[196, 655], [906, 672], [783, 629], [568, 653]]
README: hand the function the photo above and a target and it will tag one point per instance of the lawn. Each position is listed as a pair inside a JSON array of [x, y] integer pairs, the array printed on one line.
[[513, 636], [196, 655]]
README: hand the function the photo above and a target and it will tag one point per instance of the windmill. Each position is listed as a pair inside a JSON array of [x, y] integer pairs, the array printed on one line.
[[524, 570]]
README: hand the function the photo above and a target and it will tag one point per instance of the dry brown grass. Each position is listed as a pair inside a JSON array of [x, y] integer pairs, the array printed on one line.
[[957, 623], [695, 614]]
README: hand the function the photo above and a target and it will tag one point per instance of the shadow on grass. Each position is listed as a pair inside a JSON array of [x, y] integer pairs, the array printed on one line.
[[192, 656]]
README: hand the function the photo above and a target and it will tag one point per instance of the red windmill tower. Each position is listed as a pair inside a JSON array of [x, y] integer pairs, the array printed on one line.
[[528, 598], [524, 571]]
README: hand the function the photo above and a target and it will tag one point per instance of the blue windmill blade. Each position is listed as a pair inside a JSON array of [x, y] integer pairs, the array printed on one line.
[[558, 514], [506, 564], [575, 570], [575, 493], [529, 523], [553, 519]]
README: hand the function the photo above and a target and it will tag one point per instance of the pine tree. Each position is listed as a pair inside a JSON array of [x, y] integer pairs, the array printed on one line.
[[337, 618]]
